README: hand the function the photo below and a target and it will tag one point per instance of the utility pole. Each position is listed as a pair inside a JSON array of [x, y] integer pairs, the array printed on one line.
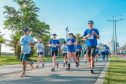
[[115, 42], [67, 32]]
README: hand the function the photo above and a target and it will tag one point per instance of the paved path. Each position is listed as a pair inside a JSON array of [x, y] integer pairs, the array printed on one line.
[[10, 74]]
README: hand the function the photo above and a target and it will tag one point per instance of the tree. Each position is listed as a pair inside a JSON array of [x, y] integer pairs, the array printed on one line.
[[79, 37], [2, 40], [26, 16]]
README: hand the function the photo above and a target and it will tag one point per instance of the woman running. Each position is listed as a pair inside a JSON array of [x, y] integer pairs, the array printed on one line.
[[40, 48], [78, 51], [64, 49], [71, 42]]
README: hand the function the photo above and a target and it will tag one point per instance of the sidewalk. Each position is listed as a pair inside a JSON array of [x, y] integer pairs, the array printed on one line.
[[10, 74]]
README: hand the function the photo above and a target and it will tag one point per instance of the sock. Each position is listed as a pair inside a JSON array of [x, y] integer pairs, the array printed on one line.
[[31, 63], [64, 64], [69, 65], [76, 62], [24, 72]]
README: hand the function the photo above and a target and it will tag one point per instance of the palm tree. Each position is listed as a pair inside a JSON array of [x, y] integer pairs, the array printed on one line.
[[2, 40]]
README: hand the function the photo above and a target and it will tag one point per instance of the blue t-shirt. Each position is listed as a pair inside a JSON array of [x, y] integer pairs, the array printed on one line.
[[54, 47], [107, 48], [84, 48], [92, 40], [70, 45], [78, 47]]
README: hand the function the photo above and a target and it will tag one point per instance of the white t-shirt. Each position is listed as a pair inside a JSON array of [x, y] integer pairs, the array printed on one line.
[[25, 46], [65, 48], [39, 47], [103, 49], [121, 51]]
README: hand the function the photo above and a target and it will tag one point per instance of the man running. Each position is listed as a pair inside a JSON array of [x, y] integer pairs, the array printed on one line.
[[91, 35], [25, 41], [78, 51], [40, 48], [84, 51], [54, 44], [71, 42], [103, 52], [64, 49], [107, 51]]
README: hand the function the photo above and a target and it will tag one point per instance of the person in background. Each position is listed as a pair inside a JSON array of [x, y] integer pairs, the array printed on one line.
[[40, 48], [84, 50], [78, 51], [64, 49], [103, 51]]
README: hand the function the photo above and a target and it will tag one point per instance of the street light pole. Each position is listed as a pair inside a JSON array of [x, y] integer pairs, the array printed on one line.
[[116, 41], [113, 37], [67, 32]]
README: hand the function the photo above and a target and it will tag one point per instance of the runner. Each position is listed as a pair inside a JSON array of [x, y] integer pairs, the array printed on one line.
[[107, 51], [25, 42], [71, 42], [121, 52], [40, 48], [64, 49], [84, 50], [96, 53], [99, 53], [54, 44], [103, 52], [78, 51], [91, 35]]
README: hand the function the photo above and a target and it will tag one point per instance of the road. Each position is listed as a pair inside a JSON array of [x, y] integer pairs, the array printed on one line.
[[10, 74]]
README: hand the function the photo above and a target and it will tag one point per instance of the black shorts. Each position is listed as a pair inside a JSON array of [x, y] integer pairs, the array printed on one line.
[[41, 53], [84, 52], [54, 52], [64, 54], [24, 56], [90, 50], [78, 53]]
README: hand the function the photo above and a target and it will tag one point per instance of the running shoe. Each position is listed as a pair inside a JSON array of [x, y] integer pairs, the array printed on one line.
[[57, 65], [31, 65], [23, 75], [42, 65], [77, 65], [68, 69], [92, 72], [37, 66], [63, 65], [53, 69]]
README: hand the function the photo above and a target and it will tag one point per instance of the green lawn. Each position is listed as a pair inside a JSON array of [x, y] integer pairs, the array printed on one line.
[[8, 60], [116, 73]]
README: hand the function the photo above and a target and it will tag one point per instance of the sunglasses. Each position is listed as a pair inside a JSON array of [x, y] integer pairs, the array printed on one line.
[[90, 23]]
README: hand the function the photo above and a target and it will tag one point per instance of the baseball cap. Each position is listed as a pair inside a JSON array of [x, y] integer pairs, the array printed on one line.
[[25, 29], [71, 34], [54, 35]]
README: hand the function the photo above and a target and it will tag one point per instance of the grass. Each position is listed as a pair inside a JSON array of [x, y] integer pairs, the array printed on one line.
[[9, 60], [116, 73]]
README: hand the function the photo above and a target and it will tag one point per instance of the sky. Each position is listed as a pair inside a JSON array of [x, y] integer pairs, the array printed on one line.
[[75, 14]]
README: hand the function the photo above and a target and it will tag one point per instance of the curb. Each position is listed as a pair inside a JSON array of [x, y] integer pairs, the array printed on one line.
[[100, 79]]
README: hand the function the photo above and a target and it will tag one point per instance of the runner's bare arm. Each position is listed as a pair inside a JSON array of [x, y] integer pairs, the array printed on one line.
[[19, 43]]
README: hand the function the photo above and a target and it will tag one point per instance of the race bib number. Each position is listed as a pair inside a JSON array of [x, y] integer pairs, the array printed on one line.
[[69, 43], [26, 52], [90, 37], [65, 51], [53, 45]]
